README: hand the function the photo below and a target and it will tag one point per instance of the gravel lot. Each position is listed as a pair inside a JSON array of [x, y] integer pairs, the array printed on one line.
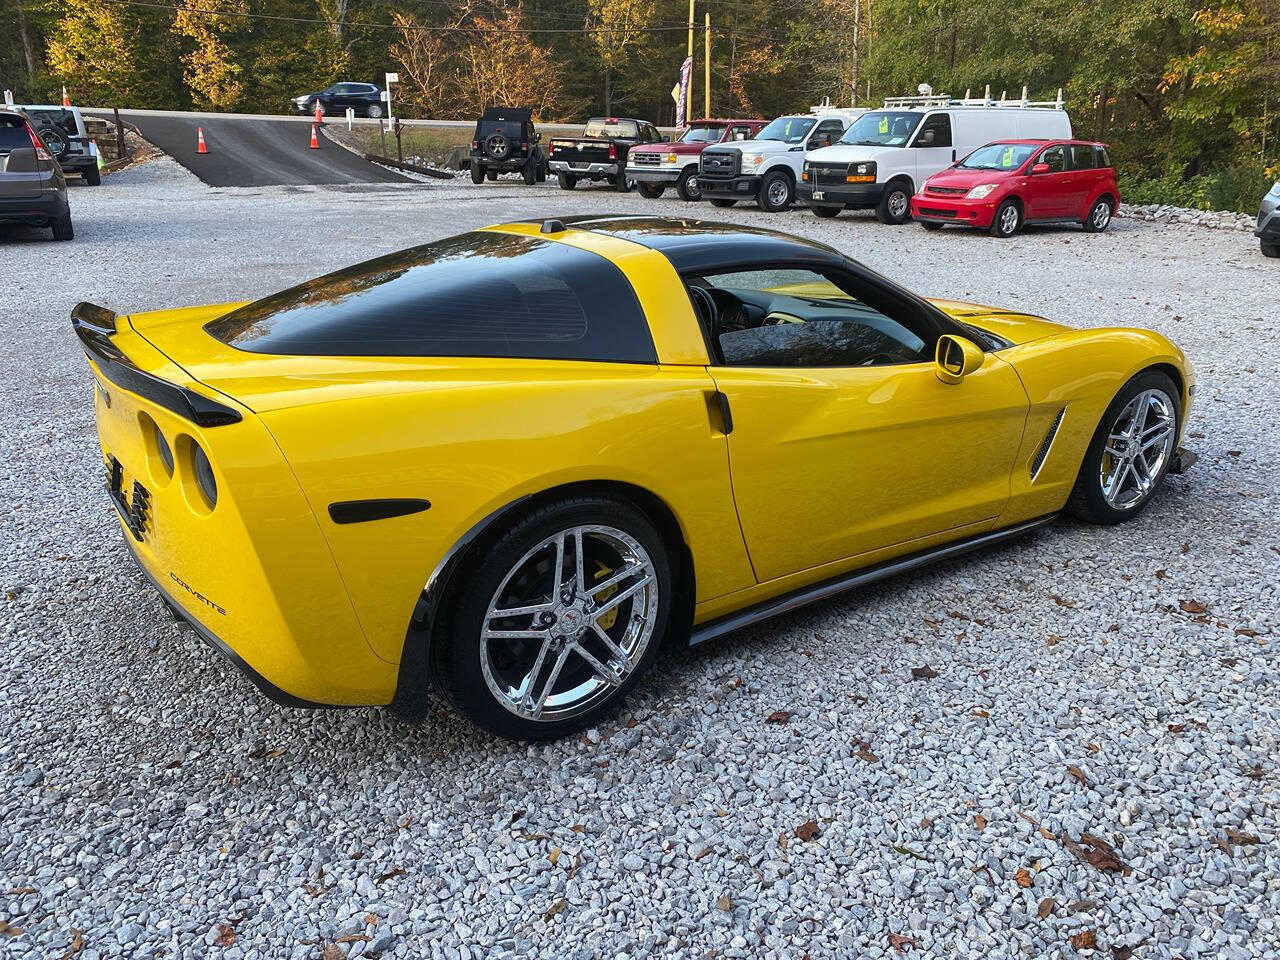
[[1117, 682]]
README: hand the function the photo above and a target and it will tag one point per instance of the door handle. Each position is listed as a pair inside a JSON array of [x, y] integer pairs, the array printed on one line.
[[953, 156], [719, 413]]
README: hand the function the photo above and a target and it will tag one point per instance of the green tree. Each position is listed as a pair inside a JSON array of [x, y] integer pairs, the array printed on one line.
[[113, 55]]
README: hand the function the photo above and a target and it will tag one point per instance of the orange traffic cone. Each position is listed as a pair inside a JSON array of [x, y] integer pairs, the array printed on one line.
[[315, 140], [319, 115], [200, 147], [66, 101]]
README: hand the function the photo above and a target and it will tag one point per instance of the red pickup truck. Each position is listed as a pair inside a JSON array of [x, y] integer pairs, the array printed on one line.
[[656, 167]]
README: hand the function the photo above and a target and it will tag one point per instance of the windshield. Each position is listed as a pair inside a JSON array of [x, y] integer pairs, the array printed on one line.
[[703, 133], [883, 128], [626, 129], [999, 156], [788, 129]]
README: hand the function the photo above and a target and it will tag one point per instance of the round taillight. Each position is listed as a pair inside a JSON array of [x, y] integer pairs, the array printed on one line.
[[204, 474]]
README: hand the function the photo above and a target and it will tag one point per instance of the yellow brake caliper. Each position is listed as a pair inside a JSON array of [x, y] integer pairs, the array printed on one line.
[[602, 573]]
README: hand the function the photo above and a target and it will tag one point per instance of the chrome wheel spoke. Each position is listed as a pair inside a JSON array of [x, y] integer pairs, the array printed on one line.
[[541, 702], [616, 651], [627, 571], [580, 577], [612, 676], [525, 693], [514, 634], [617, 598], [519, 611]]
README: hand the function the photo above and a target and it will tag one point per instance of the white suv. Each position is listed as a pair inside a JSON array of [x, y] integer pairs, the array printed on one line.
[[886, 155], [767, 168]]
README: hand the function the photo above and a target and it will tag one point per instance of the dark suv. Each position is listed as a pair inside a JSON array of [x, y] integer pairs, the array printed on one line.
[[506, 142], [62, 130], [364, 98], [33, 190]]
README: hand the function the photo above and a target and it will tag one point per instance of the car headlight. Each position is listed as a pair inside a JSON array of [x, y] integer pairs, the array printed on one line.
[[980, 191], [864, 169], [672, 158], [752, 159]]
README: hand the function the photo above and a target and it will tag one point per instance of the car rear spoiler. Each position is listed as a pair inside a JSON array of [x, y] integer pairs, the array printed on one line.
[[96, 326]]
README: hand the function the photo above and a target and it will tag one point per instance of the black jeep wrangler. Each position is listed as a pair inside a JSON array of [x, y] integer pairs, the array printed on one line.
[[506, 142]]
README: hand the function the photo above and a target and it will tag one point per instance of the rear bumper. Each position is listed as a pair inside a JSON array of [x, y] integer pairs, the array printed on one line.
[[733, 188], [48, 206], [856, 196], [511, 163], [969, 213], [589, 170], [1268, 228]]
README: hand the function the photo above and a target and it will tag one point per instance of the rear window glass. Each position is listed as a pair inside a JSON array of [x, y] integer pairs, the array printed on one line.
[[479, 294], [13, 134], [1082, 157], [625, 129], [64, 120]]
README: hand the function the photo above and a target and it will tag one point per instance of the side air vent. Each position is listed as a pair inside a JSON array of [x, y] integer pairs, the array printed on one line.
[[1043, 453]]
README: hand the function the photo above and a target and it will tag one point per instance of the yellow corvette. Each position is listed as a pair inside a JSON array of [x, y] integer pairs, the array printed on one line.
[[516, 459]]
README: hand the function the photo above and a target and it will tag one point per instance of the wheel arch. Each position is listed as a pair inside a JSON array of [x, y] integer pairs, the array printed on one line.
[[433, 603]]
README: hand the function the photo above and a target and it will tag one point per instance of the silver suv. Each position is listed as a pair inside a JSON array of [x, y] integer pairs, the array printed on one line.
[[33, 190], [1268, 230], [63, 131]]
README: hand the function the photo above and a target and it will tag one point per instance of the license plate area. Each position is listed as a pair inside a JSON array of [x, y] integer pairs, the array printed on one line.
[[819, 194], [134, 510]]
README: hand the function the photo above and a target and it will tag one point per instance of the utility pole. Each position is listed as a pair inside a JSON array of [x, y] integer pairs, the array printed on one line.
[[706, 68], [689, 97], [857, 23]]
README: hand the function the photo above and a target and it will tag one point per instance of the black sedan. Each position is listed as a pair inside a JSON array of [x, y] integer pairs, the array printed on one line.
[[364, 98]]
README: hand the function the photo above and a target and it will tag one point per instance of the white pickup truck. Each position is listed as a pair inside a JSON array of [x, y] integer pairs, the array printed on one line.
[[767, 168]]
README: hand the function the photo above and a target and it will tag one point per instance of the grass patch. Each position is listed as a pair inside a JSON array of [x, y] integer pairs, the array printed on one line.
[[429, 146]]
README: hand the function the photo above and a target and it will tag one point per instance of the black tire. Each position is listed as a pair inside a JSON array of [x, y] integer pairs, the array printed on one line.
[[777, 192], [687, 186], [92, 175], [530, 171], [1270, 249], [652, 191], [1007, 220], [456, 654], [62, 229], [491, 175], [57, 142], [825, 212], [477, 172], [1099, 217], [567, 181], [722, 202], [1087, 499], [620, 182], [930, 225], [895, 203]]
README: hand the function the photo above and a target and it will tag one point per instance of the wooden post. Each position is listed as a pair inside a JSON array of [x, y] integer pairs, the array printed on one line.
[[706, 66], [121, 149], [688, 104], [399, 149]]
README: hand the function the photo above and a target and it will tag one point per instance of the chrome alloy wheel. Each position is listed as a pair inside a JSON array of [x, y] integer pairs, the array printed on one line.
[[569, 623], [1101, 215], [898, 203], [1139, 445], [1009, 220], [777, 193]]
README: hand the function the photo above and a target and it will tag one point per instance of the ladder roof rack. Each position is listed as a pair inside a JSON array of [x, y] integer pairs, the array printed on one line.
[[946, 100]]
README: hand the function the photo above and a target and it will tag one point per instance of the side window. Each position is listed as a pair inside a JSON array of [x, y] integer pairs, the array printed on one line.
[[827, 133], [739, 132], [1082, 157], [935, 131], [1054, 157], [799, 318], [1100, 154]]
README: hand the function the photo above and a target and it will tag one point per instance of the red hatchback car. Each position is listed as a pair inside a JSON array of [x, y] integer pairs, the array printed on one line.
[[1004, 185]]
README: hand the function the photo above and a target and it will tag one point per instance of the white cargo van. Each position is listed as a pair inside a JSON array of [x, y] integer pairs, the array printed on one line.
[[886, 154]]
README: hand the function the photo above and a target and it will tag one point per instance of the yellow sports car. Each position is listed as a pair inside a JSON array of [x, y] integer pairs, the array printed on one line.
[[516, 459]]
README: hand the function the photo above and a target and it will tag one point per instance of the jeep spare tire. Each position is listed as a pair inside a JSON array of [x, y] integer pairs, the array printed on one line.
[[56, 141], [497, 146]]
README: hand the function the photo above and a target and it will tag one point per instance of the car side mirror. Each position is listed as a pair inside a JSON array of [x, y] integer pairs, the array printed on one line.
[[1040, 168], [926, 139], [956, 358]]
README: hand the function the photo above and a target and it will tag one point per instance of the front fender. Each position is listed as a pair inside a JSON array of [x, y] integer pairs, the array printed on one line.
[[1077, 373]]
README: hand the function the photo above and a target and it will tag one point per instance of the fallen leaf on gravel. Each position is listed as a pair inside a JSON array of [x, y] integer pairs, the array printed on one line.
[[1046, 907], [1060, 601], [1096, 852], [1245, 632], [334, 952], [1162, 575], [864, 754], [808, 830], [579, 828], [370, 919], [577, 862], [226, 935], [1085, 940], [1023, 877], [901, 941], [1053, 640], [723, 903], [779, 716], [981, 713], [555, 908], [1083, 906], [390, 875], [354, 938], [554, 856], [1079, 775], [923, 673], [1192, 606], [981, 821], [9, 931], [705, 852], [1094, 747], [925, 823], [1186, 546], [19, 891], [907, 851], [1236, 836], [77, 944], [1177, 727], [1253, 773], [1125, 952], [1047, 834]]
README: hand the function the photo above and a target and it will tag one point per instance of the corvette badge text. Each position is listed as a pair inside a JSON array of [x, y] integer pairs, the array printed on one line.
[[197, 594]]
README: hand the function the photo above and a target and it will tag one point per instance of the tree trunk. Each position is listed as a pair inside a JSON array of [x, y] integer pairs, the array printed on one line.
[[26, 42], [1100, 121], [608, 92]]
